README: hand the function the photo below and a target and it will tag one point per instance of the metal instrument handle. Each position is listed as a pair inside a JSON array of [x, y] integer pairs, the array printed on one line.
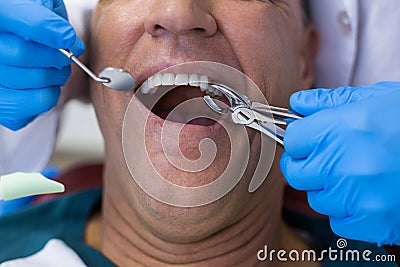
[[71, 56]]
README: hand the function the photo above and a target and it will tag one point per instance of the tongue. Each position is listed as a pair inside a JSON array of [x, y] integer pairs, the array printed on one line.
[[177, 96], [202, 121], [196, 121]]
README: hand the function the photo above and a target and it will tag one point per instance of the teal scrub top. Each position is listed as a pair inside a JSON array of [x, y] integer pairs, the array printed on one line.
[[26, 232]]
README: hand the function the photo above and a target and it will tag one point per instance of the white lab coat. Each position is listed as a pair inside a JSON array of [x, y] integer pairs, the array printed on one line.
[[360, 41], [29, 149]]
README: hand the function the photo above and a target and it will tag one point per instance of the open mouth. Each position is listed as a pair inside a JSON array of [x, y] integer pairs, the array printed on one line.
[[162, 93]]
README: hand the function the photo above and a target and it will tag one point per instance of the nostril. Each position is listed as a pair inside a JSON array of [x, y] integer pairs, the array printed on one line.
[[180, 20], [156, 29]]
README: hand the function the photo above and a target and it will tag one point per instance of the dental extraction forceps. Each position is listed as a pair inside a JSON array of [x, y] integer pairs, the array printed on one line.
[[263, 118]]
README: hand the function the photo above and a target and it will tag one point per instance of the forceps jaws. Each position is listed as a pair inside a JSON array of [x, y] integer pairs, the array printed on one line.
[[261, 117], [277, 112], [239, 100]]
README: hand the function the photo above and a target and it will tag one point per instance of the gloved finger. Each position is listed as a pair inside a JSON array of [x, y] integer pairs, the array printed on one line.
[[78, 48], [300, 175], [24, 78], [327, 202], [308, 102], [57, 6], [16, 125], [45, 27], [15, 51], [303, 136], [22, 104]]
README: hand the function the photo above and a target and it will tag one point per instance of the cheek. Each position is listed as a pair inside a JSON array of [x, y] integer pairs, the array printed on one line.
[[117, 28], [110, 109], [268, 49], [109, 47]]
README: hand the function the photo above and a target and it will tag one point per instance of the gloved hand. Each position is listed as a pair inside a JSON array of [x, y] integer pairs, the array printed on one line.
[[31, 68], [346, 154]]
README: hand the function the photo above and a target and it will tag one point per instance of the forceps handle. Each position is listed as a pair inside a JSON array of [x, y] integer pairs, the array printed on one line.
[[71, 56], [270, 129], [269, 125], [281, 113], [276, 132]]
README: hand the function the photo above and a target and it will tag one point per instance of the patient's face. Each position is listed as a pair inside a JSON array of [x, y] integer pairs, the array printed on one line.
[[266, 40]]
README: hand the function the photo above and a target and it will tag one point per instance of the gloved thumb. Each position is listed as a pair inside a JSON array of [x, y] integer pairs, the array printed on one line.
[[308, 102]]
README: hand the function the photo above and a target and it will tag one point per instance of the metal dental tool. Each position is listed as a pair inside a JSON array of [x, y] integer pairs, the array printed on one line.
[[114, 78], [255, 115]]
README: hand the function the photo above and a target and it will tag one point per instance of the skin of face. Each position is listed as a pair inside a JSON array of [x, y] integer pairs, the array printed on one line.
[[266, 40]]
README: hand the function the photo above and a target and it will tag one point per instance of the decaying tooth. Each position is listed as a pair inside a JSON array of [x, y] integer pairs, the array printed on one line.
[[181, 79], [217, 93], [168, 79], [212, 93], [194, 80]]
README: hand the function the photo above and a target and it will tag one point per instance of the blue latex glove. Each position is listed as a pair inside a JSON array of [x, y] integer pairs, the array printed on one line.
[[346, 154], [31, 69]]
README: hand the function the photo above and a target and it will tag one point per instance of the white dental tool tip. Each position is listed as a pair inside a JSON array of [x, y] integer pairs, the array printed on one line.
[[17, 185]]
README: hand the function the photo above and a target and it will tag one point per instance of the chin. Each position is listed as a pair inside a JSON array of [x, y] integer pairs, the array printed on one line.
[[188, 225]]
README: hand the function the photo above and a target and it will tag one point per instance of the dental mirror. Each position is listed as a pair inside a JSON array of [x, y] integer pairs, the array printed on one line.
[[119, 79], [114, 78]]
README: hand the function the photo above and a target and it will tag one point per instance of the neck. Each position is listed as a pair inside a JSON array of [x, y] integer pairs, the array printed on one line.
[[127, 241]]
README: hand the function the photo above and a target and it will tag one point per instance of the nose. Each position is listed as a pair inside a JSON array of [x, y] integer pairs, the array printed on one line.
[[180, 17]]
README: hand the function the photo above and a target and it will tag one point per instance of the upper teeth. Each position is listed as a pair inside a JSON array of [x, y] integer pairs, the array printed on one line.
[[167, 79]]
